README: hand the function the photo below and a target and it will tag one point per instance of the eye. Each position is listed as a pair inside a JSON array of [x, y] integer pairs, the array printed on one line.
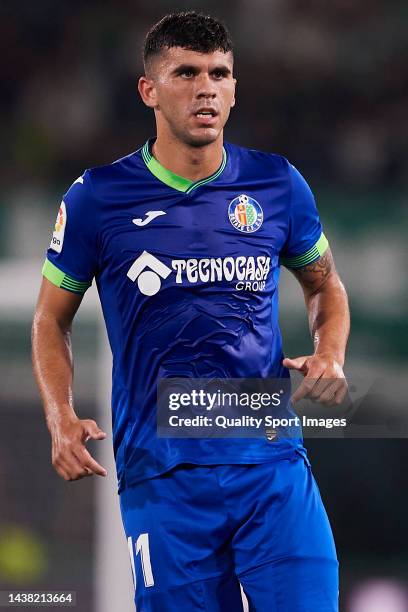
[[218, 74], [187, 74]]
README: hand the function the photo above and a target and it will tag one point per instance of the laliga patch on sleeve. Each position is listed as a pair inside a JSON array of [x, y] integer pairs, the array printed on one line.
[[58, 234]]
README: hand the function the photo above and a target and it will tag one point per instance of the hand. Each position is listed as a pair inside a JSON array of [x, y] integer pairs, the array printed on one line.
[[324, 379], [70, 457]]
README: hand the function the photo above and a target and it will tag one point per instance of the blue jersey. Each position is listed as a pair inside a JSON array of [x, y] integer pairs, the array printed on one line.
[[187, 274]]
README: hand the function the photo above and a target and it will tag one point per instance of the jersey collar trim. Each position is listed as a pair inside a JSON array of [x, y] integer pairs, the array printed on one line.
[[174, 180]]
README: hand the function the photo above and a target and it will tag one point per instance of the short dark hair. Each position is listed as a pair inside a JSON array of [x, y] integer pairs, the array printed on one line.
[[189, 30]]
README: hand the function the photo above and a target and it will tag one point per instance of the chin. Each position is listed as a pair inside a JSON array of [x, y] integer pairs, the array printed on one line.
[[206, 137]]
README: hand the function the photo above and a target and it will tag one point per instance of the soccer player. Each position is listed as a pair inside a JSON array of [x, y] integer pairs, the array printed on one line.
[[185, 238]]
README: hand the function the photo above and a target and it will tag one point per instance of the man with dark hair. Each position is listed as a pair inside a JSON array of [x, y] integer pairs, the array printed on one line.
[[185, 238]]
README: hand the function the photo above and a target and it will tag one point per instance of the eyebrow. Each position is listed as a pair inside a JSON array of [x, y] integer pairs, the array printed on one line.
[[185, 67]]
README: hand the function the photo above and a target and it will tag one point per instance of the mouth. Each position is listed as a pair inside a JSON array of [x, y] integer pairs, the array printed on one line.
[[206, 110], [206, 116]]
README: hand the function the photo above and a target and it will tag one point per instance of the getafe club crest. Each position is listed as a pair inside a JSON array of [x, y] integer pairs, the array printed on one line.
[[245, 213]]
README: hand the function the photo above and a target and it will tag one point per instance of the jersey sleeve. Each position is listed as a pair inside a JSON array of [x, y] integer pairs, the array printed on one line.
[[305, 241], [71, 261]]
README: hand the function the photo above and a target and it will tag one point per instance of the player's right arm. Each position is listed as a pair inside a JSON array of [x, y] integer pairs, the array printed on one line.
[[67, 272], [53, 369]]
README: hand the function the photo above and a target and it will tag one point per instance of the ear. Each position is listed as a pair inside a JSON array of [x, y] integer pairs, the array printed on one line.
[[147, 91], [233, 96]]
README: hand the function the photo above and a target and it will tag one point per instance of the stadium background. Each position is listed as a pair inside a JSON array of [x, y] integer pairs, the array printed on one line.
[[325, 84]]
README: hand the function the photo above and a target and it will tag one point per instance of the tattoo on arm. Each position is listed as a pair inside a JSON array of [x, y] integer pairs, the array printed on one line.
[[314, 275]]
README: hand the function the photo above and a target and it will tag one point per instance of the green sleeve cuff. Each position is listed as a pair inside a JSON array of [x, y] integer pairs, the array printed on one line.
[[306, 258], [58, 278]]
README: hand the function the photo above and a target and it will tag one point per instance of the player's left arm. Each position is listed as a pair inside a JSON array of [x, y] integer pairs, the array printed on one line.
[[329, 321]]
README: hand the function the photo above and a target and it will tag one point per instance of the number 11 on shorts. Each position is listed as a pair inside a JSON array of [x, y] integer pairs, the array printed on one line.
[[142, 546]]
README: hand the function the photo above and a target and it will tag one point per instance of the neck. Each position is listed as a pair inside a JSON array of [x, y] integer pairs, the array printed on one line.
[[193, 163]]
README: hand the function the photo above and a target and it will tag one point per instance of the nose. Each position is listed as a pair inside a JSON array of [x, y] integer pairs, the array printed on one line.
[[205, 87]]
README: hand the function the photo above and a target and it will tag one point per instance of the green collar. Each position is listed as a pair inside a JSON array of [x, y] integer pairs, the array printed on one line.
[[173, 180]]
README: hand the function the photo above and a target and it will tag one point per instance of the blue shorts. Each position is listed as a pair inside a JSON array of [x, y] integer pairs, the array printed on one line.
[[196, 532]]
